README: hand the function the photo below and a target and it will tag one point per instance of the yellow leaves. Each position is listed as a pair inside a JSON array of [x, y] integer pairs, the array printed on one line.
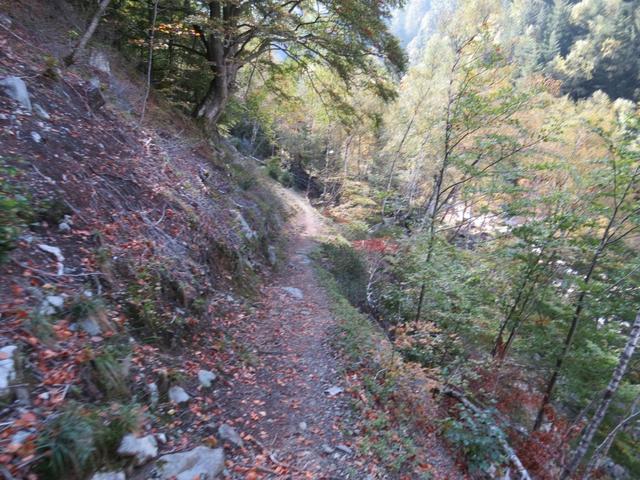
[[413, 334]]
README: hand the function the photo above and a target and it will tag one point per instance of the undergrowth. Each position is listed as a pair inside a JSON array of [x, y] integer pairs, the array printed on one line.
[[15, 210], [386, 429], [80, 439]]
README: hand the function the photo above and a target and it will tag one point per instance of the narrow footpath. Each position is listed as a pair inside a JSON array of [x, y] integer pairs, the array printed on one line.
[[291, 402]]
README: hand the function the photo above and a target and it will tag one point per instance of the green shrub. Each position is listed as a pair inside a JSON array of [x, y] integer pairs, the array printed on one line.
[[40, 326], [81, 439], [273, 168], [348, 269], [109, 373], [15, 210], [477, 440], [67, 442]]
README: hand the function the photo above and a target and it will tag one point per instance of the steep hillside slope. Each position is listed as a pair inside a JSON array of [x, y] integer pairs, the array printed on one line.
[[130, 252]]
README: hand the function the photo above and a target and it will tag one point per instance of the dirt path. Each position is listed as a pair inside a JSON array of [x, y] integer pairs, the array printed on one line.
[[284, 398]]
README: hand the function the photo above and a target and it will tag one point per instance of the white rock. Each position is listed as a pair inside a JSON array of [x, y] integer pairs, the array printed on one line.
[[154, 395], [178, 395], [36, 137], [201, 462], [41, 112], [57, 253], [247, 231], [161, 437], [5, 20], [302, 426], [7, 368], [206, 378], [229, 434], [109, 476], [333, 391], [56, 301], [90, 326], [344, 449], [64, 227], [100, 61], [19, 438], [142, 449], [15, 88], [294, 292], [272, 254], [327, 448]]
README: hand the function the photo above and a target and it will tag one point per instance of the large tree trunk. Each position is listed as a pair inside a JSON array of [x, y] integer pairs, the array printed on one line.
[[601, 411], [82, 44], [223, 64], [213, 104]]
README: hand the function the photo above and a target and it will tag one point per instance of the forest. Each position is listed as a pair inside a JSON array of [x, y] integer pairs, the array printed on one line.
[[478, 162]]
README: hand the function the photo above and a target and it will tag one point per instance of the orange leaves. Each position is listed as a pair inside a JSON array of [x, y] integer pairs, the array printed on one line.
[[376, 245]]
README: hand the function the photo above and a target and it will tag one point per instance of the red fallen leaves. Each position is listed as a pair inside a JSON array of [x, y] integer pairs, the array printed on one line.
[[376, 245]]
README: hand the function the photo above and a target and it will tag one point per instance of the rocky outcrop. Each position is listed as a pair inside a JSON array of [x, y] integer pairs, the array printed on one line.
[[15, 88]]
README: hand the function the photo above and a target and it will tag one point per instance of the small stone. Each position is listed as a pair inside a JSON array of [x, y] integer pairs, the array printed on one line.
[[201, 462], [7, 368], [90, 326], [109, 476], [5, 20], [57, 253], [19, 438], [64, 227], [154, 394], [302, 426], [328, 449], [15, 88], [36, 137], [344, 449], [333, 391], [56, 301], [272, 255], [294, 292], [142, 449], [206, 378], [41, 112], [178, 395], [161, 437], [229, 434]]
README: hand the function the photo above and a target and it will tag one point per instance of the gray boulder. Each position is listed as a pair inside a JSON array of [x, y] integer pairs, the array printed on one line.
[[15, 88], [201, 462], [142, 449], [7, 368]]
